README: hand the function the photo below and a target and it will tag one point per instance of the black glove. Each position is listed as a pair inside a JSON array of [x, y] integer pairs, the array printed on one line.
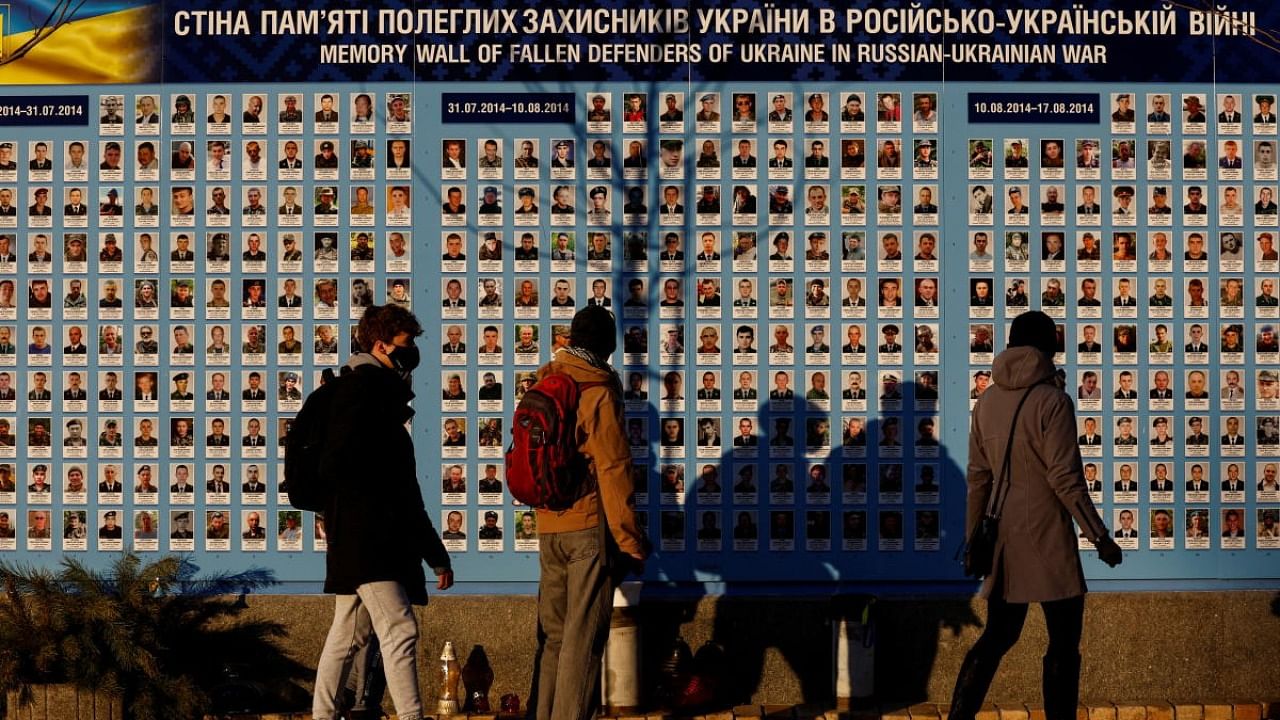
[[1108, 551], [622, 565], [635, 566], [646, 545]]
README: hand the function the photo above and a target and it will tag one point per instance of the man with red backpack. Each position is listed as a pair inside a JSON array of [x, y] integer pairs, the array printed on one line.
[[591, 541]]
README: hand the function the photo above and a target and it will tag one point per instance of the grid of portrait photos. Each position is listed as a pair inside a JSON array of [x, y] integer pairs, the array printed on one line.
[[1152, 241], [174, 277], [780, 342], [781, 357]]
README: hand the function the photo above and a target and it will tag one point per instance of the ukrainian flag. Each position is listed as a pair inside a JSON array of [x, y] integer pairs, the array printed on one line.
[[46, 42]]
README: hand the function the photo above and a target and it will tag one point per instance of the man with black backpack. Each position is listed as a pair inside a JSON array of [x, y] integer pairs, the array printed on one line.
[[350, 455], [591, 540]]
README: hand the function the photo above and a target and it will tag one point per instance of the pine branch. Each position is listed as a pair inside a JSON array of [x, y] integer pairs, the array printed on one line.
[[130, 631]]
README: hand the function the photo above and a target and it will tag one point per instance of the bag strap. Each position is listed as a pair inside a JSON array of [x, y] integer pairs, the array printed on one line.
[[995, 504]]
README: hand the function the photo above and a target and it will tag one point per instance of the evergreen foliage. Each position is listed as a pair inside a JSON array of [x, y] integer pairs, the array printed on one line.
[[170, 643]]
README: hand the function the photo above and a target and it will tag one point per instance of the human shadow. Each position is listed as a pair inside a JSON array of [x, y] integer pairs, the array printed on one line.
[[837, 523]]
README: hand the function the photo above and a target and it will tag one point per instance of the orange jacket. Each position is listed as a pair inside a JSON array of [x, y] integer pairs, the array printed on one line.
[[603, 443]]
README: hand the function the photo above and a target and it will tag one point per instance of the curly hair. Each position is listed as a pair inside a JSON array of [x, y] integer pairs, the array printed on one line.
[[384, 323]]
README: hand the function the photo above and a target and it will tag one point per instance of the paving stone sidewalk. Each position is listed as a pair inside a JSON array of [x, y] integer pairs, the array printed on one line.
[[1133, 710]]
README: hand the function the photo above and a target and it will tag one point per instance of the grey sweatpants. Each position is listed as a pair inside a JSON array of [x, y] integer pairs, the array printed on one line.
[[380, 608], [575, 601]]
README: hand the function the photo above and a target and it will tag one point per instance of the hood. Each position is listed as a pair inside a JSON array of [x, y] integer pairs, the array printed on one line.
[[359, 359], [1021, 367]]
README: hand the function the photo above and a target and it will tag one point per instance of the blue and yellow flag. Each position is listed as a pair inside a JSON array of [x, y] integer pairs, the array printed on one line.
[[79, 41]]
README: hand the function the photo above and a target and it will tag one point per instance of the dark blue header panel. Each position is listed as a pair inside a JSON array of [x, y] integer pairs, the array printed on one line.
[[1066, 108], [613, 40], [519, 108], [18, 110]]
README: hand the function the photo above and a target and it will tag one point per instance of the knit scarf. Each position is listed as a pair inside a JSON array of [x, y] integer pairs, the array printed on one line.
[[588, 357]]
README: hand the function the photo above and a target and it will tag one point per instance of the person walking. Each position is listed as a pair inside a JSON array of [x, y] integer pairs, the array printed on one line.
[[1036, 557], [587, 549], [377, 525]]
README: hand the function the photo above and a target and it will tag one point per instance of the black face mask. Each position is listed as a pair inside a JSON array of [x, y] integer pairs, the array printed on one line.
[[404, 360]]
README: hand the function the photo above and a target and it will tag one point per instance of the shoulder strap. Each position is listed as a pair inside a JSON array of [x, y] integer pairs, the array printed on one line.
[[995, 504]]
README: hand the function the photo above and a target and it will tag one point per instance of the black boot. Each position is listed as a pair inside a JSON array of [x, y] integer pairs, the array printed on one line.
[[1061, 686], [972, 684]]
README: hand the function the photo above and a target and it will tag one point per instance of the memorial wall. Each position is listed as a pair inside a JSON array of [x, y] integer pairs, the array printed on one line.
[[813, 256]]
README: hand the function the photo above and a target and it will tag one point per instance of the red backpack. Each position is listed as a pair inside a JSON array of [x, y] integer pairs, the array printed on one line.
[[542, 471]]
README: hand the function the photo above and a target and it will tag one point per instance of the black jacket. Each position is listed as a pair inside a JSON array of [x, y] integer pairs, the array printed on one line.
[[377, 524]]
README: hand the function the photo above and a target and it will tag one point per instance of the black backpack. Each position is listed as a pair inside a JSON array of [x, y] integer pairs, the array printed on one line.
[[307, 436]]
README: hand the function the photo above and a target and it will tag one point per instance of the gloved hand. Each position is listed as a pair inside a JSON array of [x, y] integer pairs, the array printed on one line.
[[1108, 551], [622, 565], [646, 546], [635, 565]]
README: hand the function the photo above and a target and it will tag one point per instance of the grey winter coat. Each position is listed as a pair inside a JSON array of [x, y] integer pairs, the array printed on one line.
[[1036, 556]]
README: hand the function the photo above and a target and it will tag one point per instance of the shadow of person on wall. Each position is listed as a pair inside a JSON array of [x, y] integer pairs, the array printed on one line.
[[831, 513]]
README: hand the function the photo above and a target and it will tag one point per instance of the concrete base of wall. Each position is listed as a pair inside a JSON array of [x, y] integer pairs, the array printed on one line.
[[1178, 647]]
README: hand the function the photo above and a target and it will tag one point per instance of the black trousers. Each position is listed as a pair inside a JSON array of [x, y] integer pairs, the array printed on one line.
[[1061, 679], [1064, 618]]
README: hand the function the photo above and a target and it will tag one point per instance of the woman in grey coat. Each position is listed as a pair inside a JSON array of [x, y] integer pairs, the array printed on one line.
[[1036, 558]]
